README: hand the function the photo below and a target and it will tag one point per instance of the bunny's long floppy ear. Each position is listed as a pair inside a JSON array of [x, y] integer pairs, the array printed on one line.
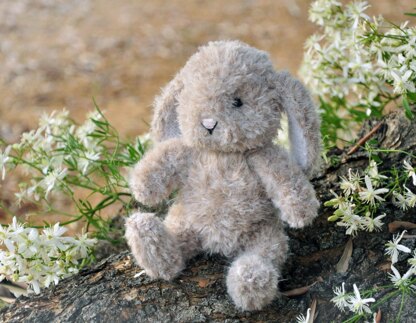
[[165, 118], [304, 123]]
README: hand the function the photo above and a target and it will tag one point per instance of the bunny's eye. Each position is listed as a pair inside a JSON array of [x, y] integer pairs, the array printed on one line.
[[237, 103]]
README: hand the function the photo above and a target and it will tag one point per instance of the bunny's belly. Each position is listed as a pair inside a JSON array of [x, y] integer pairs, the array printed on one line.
[[224, 202]]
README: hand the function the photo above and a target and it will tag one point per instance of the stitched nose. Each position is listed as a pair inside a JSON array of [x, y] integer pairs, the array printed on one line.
[[209, 124]]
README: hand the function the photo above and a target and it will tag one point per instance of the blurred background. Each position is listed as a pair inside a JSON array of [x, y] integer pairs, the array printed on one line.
[[61, 53]]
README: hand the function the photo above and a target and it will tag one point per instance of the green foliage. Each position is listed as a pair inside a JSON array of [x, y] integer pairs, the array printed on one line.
[[86, 164]]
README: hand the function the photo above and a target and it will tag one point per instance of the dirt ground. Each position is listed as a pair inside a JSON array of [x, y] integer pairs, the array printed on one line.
[[62, 53]]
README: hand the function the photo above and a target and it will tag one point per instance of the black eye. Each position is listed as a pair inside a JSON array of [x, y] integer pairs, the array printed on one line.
[[237, 103]]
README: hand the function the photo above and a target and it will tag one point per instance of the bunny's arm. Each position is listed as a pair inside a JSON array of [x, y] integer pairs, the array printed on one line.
[[162, 170], [286, 185]]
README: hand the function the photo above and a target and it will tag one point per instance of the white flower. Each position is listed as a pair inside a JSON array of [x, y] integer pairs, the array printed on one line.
[[371, 224], [369, 195], [402, 281], [351, 221], [346, 186], [55, 231], [35, 286], [323, 10], [53, 236], [410, 197], [410, 48], [393, 247], [355, 11], [410, 171], [83, 245], [302, 319], [54, 162], [51, 276], [412, 261], [50, 180], [402, 84], [340, 300], [412, 65], [54, 123], [400, 201], [386, 68], [85, 161], [352, 184], [372, 171], [357, 304], [338, 202], [27, 139], [5, 237], [83, 133], [16, 228], [4, 159], [30, 245]]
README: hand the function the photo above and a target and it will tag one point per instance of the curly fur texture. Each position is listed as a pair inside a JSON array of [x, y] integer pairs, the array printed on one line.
[[214, 125]]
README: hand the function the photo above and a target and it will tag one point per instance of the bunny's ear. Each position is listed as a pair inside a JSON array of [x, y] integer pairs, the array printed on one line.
[[304, 123], [165, 123]]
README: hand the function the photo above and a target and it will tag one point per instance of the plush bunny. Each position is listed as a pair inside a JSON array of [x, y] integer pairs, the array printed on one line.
[[213, 127]]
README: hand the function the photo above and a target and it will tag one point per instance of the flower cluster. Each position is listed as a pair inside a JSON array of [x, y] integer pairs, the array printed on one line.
[[360, 306], [84, 165], [358, 200], [357, 206], [44, 153], [405, 283], [355, 303], [393, 248], [405, 198], [63, 157], [41, 258], [358, 64]]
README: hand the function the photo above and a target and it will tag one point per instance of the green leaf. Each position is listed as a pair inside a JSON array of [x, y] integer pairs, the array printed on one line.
[[408, 112], [410, 13], [411, 96]]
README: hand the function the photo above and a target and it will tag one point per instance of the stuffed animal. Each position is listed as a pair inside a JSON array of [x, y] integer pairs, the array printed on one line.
[[214, 126]]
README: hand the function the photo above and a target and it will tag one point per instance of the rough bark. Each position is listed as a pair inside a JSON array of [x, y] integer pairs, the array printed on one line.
[[108, 291]]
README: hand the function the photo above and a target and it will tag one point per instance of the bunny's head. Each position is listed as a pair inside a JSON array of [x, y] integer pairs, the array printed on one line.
[[226, 103], [228, 98]]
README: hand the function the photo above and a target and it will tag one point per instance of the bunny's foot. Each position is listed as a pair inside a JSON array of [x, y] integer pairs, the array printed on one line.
[[155, 249], [252, 282]]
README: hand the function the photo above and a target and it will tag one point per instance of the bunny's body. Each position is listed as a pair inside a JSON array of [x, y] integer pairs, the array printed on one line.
[[215, 123]]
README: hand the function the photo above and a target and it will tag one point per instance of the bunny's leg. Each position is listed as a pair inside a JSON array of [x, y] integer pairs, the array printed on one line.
[[158, 248], [154, 248], [253, 276]]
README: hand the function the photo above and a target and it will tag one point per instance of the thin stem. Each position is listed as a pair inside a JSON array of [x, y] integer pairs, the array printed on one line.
[[401, 307]]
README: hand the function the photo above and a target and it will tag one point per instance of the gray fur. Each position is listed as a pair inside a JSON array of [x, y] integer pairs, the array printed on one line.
[[235, 186], [165, 120]]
